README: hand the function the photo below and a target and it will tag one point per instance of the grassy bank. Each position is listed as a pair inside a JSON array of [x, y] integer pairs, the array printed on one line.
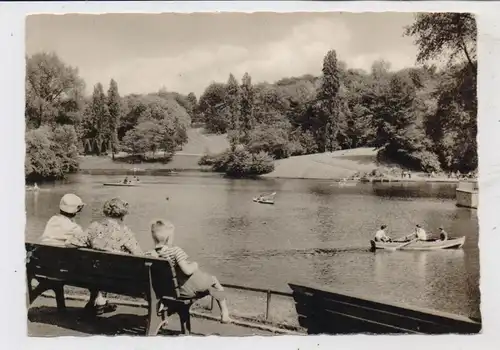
[[329, 165], [344, 164]]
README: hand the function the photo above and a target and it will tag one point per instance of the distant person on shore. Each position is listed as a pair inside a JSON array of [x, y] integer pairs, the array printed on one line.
[[443, 235], [381, 236], [111, 235], [193, 282], [126, 180]]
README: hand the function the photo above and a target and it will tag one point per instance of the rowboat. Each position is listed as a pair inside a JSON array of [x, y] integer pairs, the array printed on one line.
[[269, 199], [120, 184], [263, 201], [450, 243]]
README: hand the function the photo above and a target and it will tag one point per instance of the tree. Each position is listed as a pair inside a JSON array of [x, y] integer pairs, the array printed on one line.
[[115, 110], [192, 106], [452, 126], [97, 125], [213, 109], [247, 105], [328, 97], [151, 136], [232, 102], [50, 153], [445, 33], [54, 91]]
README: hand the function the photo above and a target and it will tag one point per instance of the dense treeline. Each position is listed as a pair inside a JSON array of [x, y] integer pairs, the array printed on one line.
[[422, 118], [62, 123]]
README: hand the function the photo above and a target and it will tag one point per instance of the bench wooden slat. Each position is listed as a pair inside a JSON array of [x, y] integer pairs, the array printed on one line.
[[332, 312]]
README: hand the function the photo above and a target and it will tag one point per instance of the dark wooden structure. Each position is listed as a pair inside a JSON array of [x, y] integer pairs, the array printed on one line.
[[323, 311], [142, 277]]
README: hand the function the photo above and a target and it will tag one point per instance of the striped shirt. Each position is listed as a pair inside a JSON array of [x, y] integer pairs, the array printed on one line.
[[173, 255]]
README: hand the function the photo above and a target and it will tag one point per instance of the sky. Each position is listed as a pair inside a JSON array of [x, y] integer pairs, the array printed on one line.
[[186, 52]]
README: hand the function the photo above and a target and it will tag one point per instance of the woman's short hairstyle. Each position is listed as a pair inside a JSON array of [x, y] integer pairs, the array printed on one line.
[[115, 208]]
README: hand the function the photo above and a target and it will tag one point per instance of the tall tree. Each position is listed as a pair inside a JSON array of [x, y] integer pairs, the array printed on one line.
[[233, 100], [213, 109], [54, 91], [247, 106], [453, 125], [329, 100], [192, 106], [96, 125], [115, 113], [449, 33]]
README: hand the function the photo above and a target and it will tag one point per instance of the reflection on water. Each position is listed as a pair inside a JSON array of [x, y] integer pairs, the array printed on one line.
[[315, 233]]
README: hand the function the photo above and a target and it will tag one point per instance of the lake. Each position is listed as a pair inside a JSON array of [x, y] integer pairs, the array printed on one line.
[[316, 232]]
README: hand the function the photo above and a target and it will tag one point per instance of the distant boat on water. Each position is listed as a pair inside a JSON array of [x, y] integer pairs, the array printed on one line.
[[265, 198]]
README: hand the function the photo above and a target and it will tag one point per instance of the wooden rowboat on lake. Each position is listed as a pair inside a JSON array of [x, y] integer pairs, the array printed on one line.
[[121, 184], [450, 243], [265, 199]]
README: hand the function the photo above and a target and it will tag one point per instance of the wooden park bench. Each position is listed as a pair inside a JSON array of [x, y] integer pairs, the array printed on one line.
[[323, 311], [141, 277]]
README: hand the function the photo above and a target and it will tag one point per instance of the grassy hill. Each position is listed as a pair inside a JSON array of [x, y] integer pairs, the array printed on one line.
[[329, 165]]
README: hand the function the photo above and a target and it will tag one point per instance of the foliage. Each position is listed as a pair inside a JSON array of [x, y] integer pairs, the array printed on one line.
[[97, 124], [54, 91], [50, 153], [212, 108], [329, 101], [115, 113], [449, 33], [271, 140], [423, 118], [150, 136], [247, 106], [242, 163]]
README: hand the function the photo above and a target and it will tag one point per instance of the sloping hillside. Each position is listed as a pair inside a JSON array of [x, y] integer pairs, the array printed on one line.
[[330, 165], [200, 143]]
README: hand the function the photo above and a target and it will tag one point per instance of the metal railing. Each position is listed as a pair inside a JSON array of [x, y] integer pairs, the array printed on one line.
[[269, 293]]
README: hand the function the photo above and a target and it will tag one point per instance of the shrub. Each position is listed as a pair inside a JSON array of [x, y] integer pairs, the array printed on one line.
[[241, 163], [50, 153]]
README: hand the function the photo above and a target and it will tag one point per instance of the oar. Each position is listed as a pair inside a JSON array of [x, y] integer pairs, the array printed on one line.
[[401, 245]]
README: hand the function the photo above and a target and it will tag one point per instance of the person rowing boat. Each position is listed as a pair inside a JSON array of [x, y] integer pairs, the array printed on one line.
[[381, 236], [419, 234]]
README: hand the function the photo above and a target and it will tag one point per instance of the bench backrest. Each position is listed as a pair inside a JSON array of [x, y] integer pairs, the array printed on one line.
[[329, 312], [109, 272]]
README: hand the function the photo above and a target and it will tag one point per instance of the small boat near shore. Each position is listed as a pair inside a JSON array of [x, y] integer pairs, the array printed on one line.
[[265, 199], [450, 243], [121, 184]]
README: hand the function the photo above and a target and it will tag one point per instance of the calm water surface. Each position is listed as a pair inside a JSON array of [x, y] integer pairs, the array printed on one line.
[[315, 233]]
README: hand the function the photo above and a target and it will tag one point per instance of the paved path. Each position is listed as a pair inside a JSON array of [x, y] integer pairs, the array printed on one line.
[[44, 320]]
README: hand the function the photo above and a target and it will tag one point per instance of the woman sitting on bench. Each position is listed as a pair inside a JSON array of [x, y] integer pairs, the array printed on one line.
[[110, 235]]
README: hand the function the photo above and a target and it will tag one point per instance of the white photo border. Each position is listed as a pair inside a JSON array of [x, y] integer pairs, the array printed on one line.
[[12, 207]]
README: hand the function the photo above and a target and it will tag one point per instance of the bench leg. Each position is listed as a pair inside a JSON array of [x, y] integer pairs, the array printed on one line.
[[59, 291], [185, 318], [34, 293], [155, 321]]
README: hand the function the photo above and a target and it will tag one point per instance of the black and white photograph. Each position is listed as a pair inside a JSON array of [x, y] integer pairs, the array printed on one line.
[[251, 174]]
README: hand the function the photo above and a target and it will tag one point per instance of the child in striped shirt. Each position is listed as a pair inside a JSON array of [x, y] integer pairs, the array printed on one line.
[[193, 282]]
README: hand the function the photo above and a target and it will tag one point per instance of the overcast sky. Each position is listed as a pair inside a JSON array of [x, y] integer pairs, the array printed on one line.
[[185, 52]]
